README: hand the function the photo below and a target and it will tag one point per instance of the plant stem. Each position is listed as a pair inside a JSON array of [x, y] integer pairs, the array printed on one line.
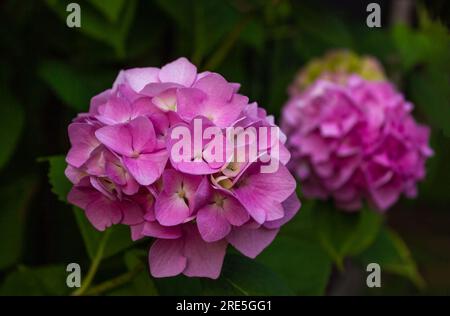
[[217, 58], [115, 282], [94, 265]]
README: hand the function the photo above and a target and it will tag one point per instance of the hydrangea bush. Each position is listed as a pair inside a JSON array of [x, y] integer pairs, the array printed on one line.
[[355, 141], [122, 170]]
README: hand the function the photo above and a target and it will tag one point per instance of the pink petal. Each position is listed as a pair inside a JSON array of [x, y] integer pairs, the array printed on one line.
[[153, 229], [143, 135], [180, 71], [250, 242], [166, 258], [146, 168], [171, 209], [204, 259], [83, 142], [291, 206], [215, 87], [132, 213], [137, 78], [212, 223], [116, 137], [103, 213], [235, 213]]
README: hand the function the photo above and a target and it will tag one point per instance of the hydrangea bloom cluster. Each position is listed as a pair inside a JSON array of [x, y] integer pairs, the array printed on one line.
[[337, 66], [355, 141], [122, 170]]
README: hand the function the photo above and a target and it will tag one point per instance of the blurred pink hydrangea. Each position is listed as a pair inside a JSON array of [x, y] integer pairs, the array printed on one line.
[[355, 141], [122, 171]]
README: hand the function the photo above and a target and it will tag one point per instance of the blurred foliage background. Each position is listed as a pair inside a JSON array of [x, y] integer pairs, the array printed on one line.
[[50, 71]]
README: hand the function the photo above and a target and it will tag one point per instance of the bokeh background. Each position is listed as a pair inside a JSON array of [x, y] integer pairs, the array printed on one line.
[[49, 72]]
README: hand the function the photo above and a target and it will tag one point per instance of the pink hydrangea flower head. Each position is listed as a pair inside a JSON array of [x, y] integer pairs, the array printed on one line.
[[123, 169], [355, 141], [337, 66]]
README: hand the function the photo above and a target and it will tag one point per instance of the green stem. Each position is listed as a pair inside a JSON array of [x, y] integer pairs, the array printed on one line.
[[115, 282], [94, 265], [217, 58]]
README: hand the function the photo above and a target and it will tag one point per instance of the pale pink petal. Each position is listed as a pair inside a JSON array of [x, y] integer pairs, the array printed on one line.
[[180, 71]]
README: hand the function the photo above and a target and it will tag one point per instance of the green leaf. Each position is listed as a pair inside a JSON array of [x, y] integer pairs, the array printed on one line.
[[11, 122], [430, 92], [141, 284], [111, 8], [303, 264], [95, 25], [15, 197], [244, 276], [73, 87], [342, 234], [119, 239], [58, 180], [393, 256], [45, 280]]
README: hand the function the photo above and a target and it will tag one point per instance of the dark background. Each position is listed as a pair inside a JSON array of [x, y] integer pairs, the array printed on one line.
[[50, 71]]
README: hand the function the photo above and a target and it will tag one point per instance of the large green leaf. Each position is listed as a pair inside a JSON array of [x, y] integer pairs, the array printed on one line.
[[119, 238], [59, 183], [208, 20], [303, 264], [393, 256], [11, 124], [339, 233], [111, 8], [430, 92], [244, 276], [141, 284], [15, 197], [99, 27], [72, 86], [342, 234], [45, 280]]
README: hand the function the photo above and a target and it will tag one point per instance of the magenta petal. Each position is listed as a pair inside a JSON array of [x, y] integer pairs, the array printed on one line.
[[153, 229], [74, 174], [212, 223], [205, 259], [291, 207], [166, 258], [81, 196], [262, 193], [250, 242], [132, 213], [146, 168], [235, 213], [136, 231], [103, 213], [215, 87], [116, 110], [180, 71], [190, 103], [171, 209], [142, 134], [83, 142], [117, 138]]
